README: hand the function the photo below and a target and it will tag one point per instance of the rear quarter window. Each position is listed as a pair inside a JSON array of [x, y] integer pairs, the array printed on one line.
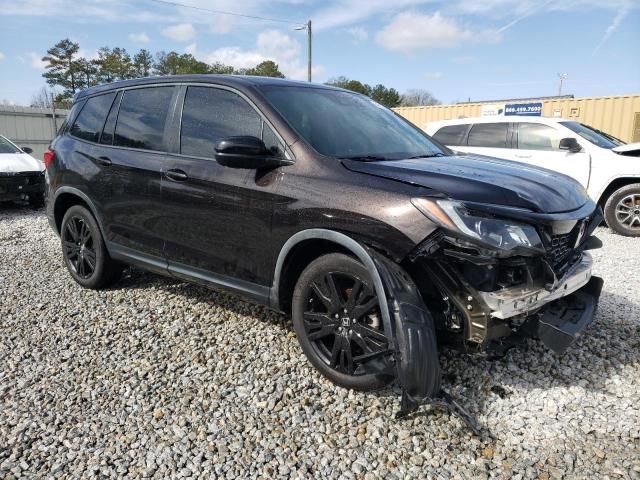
[[451, 134], [91, 118]]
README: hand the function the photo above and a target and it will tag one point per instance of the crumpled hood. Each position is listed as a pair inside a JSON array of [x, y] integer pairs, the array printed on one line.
[[19, 162], [476, 178]]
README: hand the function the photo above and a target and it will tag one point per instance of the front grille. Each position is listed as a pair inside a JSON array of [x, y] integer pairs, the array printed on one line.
[[560, 248]]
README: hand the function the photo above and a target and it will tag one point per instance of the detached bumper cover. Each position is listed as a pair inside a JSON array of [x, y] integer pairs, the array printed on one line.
[[514, 301], [562, 322]]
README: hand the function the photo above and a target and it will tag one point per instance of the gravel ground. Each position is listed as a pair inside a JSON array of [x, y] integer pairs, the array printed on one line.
[[156, 377]]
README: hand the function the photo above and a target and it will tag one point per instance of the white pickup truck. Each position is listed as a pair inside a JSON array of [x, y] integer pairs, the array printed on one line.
[[607, 167]]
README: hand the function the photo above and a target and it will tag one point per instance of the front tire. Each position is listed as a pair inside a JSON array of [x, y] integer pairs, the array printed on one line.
[[622, 211], [337, 319], [84, 252]]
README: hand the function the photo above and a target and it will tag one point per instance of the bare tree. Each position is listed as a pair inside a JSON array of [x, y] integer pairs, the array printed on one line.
[[48, 97], [418, 98]]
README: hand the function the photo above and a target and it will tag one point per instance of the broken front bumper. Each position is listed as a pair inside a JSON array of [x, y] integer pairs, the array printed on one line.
[[562, 322], [15, 186], [510, 302]]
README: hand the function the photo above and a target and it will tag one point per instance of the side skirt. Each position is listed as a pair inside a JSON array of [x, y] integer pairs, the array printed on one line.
[[251, 291]]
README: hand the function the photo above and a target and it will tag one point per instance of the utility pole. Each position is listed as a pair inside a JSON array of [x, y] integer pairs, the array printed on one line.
[[307, 27], [53, 115], [562, 77], [309, 50]]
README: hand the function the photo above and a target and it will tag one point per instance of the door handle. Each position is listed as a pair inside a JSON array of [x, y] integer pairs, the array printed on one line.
[[105, 161], [177, 175]]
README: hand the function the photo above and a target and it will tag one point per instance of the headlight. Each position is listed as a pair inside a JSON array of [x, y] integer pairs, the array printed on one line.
[[495, 232]]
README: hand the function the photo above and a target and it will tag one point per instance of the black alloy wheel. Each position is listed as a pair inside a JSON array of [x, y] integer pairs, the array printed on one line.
[[84, 252], [337, 318], [78, 244]]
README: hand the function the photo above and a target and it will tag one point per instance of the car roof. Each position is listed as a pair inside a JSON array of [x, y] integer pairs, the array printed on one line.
[[500, 119], [237, 81]]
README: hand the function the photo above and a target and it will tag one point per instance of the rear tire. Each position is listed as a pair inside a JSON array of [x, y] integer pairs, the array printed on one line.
[[336, 317], [622, 211], [84, 252]]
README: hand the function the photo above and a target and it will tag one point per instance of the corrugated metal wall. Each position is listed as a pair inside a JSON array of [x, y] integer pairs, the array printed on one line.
[[30, 127], [614, 115]]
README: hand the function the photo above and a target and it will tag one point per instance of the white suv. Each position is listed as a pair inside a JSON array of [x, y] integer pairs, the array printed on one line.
[[607, 167]]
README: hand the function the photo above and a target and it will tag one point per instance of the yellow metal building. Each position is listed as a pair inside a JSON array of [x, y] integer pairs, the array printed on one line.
[[616, 115]]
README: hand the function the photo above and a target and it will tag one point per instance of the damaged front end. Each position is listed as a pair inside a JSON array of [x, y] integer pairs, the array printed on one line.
[[485, 282], [493, 293]]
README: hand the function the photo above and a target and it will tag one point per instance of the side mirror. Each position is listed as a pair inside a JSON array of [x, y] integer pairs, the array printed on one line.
[[570, 144], [246, 152], [28, 150]]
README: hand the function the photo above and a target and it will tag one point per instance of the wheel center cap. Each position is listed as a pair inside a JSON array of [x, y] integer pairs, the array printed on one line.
[[346, 321]]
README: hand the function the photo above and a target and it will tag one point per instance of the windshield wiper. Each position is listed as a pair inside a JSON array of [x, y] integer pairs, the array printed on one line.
[[428, 155], [365, 158]]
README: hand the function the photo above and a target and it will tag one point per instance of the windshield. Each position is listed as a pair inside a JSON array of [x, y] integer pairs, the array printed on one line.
[[7, 147], [601, 139], [349, 125]]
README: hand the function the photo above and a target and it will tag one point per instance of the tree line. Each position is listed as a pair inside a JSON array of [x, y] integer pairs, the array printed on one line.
[[67, 72]]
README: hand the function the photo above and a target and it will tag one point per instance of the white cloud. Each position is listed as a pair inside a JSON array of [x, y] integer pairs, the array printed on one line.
[[433, 75], [191, 49], [88, 54], [348, 12], [613, 26], [276, 44], [139, 37], [359, 34], [270, 45], [182, 32], [236, 57], [410, 31], [36, 61], [2, 57]]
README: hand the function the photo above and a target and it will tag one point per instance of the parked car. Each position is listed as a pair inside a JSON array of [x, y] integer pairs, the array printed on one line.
[[322, 204], [21, 175], [607, 167]]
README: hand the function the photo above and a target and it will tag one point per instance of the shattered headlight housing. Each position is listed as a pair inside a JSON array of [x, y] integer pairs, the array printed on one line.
[[495, 232]]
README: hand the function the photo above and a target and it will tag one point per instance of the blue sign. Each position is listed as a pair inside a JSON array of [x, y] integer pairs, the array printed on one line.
[[523, 109]]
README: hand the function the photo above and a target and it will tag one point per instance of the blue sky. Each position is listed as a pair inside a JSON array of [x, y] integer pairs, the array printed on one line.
[[457, 49]]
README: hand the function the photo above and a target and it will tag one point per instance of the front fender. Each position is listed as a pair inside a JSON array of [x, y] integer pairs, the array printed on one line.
[[416, 351], [405, 317]]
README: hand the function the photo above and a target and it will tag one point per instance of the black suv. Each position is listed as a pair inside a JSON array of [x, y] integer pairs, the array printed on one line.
[[322, 204]]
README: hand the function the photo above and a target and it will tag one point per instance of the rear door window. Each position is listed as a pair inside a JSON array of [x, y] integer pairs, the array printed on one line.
[[211, 114], [142, 118], [451, 134], [89, 123], [490, 135], [535, 136]]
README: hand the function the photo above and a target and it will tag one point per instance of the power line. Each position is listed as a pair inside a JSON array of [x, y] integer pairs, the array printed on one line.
[[222, 12]]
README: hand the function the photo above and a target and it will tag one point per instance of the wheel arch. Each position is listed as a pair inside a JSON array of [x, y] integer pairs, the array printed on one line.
[[67, 197], [304, 247], [613, 186], [412, 335]]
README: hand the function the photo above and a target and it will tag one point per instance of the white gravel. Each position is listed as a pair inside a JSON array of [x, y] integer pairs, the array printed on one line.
[[158, 378]]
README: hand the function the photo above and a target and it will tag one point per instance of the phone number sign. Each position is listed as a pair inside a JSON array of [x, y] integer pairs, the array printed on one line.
[[523, 109]]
